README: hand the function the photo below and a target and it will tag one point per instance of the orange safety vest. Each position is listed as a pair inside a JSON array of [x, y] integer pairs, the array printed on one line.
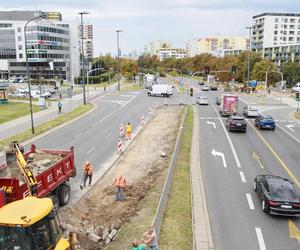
[[120, 182], [128, 128], [88, 169]]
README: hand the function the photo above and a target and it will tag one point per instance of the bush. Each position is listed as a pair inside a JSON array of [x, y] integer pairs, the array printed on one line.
[[97, 79]]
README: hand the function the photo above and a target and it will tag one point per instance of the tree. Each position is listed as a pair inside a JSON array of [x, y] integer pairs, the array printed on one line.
[[260, 69], [291, 72], [242, 65], [129, 68]]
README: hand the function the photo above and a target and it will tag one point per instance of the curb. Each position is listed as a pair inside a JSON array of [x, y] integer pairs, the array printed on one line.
[[292, 116]]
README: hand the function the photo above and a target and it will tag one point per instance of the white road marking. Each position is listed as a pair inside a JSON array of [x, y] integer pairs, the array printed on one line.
[[108, 135], [237, 160], [243, 178], [250, 202], [260, 239], [290, 127], [90, 151], [216, 153], [287, 132], [77, 135], [212, 123]]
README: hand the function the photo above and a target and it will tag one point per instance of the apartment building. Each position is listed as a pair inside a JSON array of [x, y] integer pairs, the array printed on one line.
[[153, 48], [88, 44], [49, 42], [177, 53]]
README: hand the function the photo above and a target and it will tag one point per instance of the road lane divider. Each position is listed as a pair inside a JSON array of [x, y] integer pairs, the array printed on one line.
[[288, 133], [250, 201], [236, 158], [243, 178], [90, 150], [257, 157], [294, 232], [282, 163], [260, 239]]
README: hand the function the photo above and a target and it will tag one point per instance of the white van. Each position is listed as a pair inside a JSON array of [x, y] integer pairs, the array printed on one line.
[[163, 90]]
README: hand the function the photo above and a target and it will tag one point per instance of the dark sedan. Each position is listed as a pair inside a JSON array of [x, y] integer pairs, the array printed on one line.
[[236, 123], [265, 121], [277, 195]]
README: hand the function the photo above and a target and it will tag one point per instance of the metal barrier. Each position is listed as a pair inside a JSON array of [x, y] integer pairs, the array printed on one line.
[[156, 223]]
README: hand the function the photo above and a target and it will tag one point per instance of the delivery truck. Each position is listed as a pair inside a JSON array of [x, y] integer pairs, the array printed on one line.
[[163, 90], [229, 104]]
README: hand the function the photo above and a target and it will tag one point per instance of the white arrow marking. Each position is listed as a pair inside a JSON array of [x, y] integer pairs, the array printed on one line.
[[212, 123], [216, 153], [290, 126]]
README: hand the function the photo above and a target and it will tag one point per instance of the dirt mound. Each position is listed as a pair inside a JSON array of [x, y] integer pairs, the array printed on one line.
[[97, 214]]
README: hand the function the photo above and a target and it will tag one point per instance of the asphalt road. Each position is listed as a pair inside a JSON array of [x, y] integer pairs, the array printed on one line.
[[235, 213], [95, 136]]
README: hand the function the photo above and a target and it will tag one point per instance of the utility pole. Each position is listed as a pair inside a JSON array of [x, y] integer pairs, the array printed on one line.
[[248, 57], [118, 47], [82, 54]]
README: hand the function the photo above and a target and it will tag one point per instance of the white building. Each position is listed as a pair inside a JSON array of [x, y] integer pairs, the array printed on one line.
[[192, 48], [153, 48], [47, 42], [273, 29], [88, 44], [177, 53]]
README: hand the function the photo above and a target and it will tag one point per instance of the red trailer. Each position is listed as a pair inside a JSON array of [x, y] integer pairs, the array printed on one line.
[[52, 180]]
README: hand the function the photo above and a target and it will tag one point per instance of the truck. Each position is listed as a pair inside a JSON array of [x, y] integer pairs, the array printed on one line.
[[37, 172], [229, 104], [163, 90]]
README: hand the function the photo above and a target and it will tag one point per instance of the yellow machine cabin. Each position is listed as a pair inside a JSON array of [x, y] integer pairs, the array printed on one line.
[[31, 224]]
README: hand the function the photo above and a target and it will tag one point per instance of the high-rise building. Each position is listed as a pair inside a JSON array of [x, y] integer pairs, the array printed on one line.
[[192, 47], [88, 45], [48, 43], [276, 36], [153, 48]]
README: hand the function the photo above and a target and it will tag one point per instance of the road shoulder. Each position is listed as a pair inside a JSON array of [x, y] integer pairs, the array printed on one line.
[[201, 227]]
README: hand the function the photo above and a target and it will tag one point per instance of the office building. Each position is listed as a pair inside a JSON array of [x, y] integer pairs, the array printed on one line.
[[88, 45]]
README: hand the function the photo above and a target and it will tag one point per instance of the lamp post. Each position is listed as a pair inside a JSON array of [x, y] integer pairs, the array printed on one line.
[[82, 54], [118, 47], [248, 57], [27, 69]]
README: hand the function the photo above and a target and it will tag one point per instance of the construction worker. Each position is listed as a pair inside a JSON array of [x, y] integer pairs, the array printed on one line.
[[128, 130], [88, 172], [138, 246], [120, 184], [151, 239]]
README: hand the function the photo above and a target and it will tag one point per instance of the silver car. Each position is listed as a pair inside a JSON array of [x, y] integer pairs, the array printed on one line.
[[202, 100], [205, 88], [250, 111]]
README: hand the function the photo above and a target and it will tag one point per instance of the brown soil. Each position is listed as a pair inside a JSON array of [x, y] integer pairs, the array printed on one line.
[[141, 165]]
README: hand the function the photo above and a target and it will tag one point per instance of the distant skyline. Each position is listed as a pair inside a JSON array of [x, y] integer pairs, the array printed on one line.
[[145, 21]]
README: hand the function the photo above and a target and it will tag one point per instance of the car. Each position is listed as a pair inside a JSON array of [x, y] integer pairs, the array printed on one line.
[[296, 88], [236, 123], [201, 83], [277, 195], [265, 122], [213, 87], [205, 88], [17, 95], [250, 111], [202, 100], [218, 100]]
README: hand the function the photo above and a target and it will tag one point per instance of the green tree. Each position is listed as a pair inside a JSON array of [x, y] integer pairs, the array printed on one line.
[[242, 65], [259, 72], [291, 72], [129, 68]]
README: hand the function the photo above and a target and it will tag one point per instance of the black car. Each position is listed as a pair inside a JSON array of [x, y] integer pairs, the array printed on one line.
[[265, 121], [236, 123], [277, 195]]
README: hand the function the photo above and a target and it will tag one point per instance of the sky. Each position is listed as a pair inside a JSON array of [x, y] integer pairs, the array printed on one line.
[[144, 21]]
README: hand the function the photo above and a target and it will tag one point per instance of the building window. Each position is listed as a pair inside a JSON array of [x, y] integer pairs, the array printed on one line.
[[19, 38], [291, 39], [275, 38], [292, 27], [275, 32], [20, 47], [285, 26], [276, 26], [276, 20], [284, 39], [298, 39], [19, 30], [20, 55]]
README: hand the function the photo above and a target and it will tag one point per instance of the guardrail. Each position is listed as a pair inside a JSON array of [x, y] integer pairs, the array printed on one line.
[[156, 223]]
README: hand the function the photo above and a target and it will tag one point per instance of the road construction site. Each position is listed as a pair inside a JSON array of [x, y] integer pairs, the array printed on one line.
[[97, 217]]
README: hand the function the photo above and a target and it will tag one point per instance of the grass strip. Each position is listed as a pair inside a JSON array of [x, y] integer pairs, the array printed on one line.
[[297, 115], [14, 110], [26, 135], [176, 230]]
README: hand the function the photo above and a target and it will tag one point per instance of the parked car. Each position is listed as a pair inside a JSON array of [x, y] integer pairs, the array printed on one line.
[[201, 83], [236, 123], [17, 95], [265, 121], [205, 88], [202, 100], [250, 111], [218, 100], [296, 88], [213, 86], [277, 195]]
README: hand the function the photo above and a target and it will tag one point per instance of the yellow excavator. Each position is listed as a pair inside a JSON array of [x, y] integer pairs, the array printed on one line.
[[31, 223]]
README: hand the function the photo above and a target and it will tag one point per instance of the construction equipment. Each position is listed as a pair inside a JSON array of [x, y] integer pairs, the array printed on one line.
[[31, 224]]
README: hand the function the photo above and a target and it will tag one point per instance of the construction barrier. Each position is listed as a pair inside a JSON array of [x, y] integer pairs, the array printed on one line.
[[120, 145], [121, 130], [142, 120]]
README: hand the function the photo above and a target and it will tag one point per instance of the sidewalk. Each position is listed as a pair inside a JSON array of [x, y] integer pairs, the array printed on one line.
[[201, 226], [21, 124]]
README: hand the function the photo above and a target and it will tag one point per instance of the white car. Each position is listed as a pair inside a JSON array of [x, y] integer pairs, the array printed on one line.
[[202, 100], [296, 88], [205, 88], [250, 111], [17, 95]]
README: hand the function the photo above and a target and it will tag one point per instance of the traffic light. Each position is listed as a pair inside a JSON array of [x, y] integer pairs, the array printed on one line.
[[207, 70], [233, 69], [191, 91]]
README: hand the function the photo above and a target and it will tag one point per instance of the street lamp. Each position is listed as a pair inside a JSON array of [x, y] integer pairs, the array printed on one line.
[[82, 54], [27, 69], [118, 31], [248, 58]]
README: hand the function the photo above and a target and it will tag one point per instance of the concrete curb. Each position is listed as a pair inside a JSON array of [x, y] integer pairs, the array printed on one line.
[[291, 116], [202, 237]]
